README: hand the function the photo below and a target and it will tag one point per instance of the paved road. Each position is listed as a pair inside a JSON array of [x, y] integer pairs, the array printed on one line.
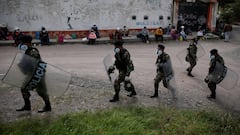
[[90, 87]]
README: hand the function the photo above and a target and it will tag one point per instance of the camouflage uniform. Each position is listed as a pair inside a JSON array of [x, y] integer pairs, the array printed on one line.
[[191, 57], [124, 64], [164, 57], [41, 87], [211, 83]]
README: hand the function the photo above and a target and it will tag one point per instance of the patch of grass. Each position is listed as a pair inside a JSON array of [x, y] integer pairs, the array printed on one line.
[[129, 121]]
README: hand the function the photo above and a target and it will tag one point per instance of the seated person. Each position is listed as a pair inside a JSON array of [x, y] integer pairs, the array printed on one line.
[[117, 36], [183, 34], [144, 35], [173, 33], [16, 36], [44, 37], [200, 34], [95, 28], [125, 31], [92, 37], [3, 32], [159, 34]]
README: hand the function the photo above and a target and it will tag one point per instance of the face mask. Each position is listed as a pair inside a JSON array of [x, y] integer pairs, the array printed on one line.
[[22, 47], [116, 50], [159, 52], [212, 56]]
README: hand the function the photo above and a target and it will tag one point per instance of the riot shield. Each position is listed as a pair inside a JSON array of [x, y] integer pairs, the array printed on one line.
[[218, 74], [169, 77], [223, 76], [182, 54], [108, 62], [57, 80], [23, 69], [230, 80]]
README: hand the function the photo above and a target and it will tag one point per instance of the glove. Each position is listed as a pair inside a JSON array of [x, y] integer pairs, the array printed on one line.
[[111, 69]]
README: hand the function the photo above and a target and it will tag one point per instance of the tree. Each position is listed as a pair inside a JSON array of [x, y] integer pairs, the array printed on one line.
[[222, 3], [229, 10]]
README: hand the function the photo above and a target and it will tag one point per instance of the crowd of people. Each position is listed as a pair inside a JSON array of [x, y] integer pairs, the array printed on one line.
[[176, 33]]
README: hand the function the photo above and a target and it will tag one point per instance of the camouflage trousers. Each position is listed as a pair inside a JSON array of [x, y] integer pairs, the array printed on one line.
[[120, 79], [41, 90], [160, 77], [193, 63]]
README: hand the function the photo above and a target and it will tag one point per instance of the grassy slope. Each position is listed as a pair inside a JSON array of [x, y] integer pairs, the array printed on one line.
[[129, 121]]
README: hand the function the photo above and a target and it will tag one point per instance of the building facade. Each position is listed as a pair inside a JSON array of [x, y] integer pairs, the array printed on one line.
[[195, 14], [81, 15], [30, 15]]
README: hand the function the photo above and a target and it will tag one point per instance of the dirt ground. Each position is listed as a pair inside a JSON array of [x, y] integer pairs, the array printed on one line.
[[90, 88]]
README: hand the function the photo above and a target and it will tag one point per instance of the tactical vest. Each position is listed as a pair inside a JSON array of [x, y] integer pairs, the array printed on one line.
[[121, 61], [30, 50]]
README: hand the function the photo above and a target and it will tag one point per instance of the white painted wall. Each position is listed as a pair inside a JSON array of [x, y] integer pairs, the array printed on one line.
[[30, 15]]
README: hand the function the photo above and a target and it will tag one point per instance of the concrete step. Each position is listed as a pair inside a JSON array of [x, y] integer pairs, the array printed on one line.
[[106, 40]]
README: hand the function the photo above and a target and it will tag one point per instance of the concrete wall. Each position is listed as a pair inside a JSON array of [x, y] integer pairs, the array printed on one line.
[[30, 15]]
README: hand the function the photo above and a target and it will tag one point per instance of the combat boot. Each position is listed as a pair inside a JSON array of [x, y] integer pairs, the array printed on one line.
[[115, 98], [46, 108], [190, 74], [211, 97], [26, 107], [133, 92], [155, 94]]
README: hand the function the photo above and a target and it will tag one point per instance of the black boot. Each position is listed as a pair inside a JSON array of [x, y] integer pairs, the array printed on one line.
[[190, 74], [133, 92], [211, 97], [212, 87], [46, 108], [115, 98], [26, 107], [155, 94]]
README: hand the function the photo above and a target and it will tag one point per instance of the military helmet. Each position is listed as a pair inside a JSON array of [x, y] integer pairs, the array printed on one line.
[[160, 46], [214, 51]]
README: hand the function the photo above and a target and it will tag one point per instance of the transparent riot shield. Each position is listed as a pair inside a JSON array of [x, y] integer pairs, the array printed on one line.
[[169, 77], [108, 62], [230, 80], [182, 54], [218, 74], [21, 70], [24, 67], [223, 76], [57, 80]]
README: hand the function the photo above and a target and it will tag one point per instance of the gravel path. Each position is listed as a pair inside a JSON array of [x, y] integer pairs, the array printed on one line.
[[90, 89]]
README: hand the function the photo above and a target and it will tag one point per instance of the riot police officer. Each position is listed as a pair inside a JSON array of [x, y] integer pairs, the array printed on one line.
[[40, 87], [164, 72], [192, 56], [213, 73], [124, 65]]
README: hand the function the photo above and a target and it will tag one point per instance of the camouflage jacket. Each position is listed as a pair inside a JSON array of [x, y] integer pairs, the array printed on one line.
[[163, 58], [33, 52], [123, 61], [217, 58], [192, 51]]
